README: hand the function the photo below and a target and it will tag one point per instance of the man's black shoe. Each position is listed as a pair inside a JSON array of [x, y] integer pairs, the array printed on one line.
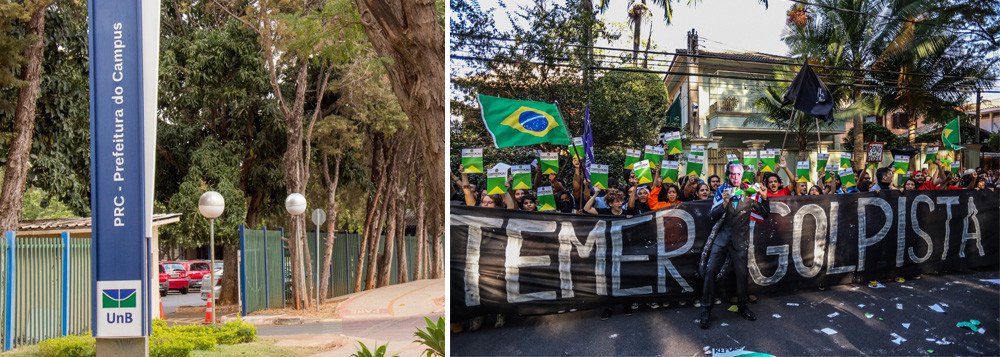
[[606, 314], [630, 309], [747, 314], [705, 316]]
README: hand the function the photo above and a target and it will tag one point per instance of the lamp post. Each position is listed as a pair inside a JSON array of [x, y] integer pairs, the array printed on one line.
[[318, 217], [295, 205], [211, 204]]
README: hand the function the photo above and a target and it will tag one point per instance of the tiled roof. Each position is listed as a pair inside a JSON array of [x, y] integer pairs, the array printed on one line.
[[84, 222], [744, 56]]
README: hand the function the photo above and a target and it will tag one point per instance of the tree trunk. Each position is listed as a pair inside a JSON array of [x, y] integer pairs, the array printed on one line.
[[377, 168], [331, 220], [421, 262], [438, 245], [387, 212], [385, 259], [16, 171], [230, 270], [408, 32], [636, 15], [401, 261]]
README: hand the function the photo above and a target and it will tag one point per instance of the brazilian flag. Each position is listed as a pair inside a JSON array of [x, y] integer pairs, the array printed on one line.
[[522, 122], [951, 135]]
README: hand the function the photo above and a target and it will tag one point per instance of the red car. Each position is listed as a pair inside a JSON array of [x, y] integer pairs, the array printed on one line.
[[196, 269], [177, 276], [164, 285]]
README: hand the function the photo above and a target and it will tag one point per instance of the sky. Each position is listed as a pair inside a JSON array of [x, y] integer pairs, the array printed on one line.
[[731, 25]]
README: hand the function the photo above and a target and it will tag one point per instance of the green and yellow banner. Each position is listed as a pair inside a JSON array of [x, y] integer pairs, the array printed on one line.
[[521, 177], [821, 159], [673, 143], [472, 161], [653, 154], [631, 157], [802, 170], [546, 201], [931, 155], [496, 181], [750, 166], [577, 148], [548, 162], [642, 172], [694, 165], [847, 178], [901, 163], [845, 160], [668, 172], [599, 176]]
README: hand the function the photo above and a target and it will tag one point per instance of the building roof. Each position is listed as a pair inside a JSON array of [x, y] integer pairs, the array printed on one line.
[[749, 60], [78, 224]]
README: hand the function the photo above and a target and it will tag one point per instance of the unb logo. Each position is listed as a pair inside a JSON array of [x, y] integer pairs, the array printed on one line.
[[118, 298]]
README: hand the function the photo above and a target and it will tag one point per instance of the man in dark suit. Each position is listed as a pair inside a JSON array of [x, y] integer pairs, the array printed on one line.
[[733, 209]]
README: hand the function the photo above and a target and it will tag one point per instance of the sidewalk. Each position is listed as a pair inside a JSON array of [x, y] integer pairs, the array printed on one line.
[[390, 314]]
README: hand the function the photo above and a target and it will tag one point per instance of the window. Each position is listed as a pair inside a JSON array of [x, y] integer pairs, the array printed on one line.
[[900, 120], [199, 266]]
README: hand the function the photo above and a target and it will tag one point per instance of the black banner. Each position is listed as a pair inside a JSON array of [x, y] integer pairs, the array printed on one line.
[[505, 261]]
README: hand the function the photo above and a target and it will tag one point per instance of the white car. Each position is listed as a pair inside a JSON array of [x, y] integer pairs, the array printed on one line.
[[218, 284]]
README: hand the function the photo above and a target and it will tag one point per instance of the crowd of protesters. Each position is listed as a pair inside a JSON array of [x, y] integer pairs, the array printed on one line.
[[633, 198]]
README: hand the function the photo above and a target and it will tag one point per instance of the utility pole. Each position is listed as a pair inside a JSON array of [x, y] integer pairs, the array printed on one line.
[[979, 100]]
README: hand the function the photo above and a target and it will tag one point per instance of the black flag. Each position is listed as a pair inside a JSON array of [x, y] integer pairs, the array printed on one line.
[[810, 95]]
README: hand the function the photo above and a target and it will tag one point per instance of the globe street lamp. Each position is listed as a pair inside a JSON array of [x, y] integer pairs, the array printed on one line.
[[211, 204], [295, 204]]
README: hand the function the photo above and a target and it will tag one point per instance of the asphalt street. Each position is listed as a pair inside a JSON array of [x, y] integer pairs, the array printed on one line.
[[391, 329], [899, 319], [175, 299]]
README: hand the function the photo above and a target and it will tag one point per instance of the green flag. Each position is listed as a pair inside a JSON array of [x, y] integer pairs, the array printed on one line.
[[955, 166], [845, 160], [750, 166], [831, 168], [631, 157], [751, 189], [902, 164], [546, 201], [768, 158], [599, 176], [673, 142], [521, 177], [549, 162], [642, 172], [522, 122], [697, 150], [694, 165], [802, 171], [668, 172], [732, 158], [577, 148], [496, 180], [653, 154], [472, 161], [951, 135], [821, 159], [847, 178], [931, 155]]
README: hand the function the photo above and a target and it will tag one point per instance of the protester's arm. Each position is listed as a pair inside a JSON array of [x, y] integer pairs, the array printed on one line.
[[791, 177], [653, 200], [762, 207], [508, 200], [631, 197], [589, 207], [718, 206], [972, 183], [557, 187], [537, 175], [470, 199], [690, 186], [938, 174]]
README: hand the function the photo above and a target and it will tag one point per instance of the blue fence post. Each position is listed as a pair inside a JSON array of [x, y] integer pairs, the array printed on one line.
[[65, 285], [8, 318], [284, 302], [267, 290], [243, 273]]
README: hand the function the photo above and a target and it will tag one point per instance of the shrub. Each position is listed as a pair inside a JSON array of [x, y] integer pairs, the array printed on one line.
[[235, 332], [70, 346], [363, 351], [164, 346]]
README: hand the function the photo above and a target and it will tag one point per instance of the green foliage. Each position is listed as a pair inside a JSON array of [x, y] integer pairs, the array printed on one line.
[[627, 109], [68, 346], [874, 132], [38, 204], [235, 332], [433, 337], [214, 167], [363, 351]]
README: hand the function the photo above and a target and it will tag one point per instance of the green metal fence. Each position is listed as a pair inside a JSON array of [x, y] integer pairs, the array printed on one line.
[[45, 288], [344, 265], [262, 273]]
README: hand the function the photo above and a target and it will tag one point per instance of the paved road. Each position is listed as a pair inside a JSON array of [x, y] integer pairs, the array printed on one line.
[[392, 329], [781, 329], [174, 299]]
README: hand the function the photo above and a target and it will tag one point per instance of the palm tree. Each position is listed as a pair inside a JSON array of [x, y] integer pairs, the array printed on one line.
[[899, 39]]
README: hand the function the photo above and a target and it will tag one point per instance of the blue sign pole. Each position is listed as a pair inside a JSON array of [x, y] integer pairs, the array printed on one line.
[[118, 169]]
